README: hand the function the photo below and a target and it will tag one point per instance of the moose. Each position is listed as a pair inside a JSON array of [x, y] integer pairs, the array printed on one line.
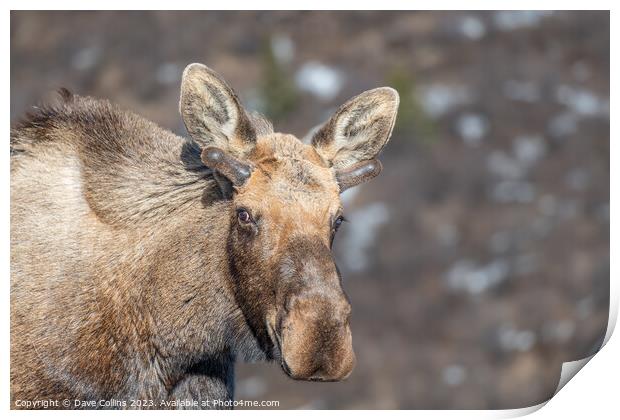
[[145, 264]]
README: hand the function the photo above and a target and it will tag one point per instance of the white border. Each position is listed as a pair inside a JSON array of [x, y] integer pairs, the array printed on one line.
[[593, 394]]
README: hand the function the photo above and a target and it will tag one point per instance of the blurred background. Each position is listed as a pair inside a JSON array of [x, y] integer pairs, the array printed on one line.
[[478, 262]]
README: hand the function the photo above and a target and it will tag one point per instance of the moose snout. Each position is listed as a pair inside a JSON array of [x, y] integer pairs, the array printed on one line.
[[316, 341]]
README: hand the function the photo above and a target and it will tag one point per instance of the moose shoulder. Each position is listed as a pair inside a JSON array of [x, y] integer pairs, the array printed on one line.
[[144, 264]]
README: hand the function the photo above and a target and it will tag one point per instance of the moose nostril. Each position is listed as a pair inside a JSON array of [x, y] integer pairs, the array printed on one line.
[[286, 368]]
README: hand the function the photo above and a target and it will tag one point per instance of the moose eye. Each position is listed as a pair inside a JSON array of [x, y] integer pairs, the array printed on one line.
[[338, 222], [244, 216]]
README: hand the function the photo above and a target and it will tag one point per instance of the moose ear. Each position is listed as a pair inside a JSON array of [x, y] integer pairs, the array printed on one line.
[[212, 112], [359, 130]]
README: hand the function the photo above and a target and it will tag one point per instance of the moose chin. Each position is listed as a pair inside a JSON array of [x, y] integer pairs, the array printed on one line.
[[144, 264]]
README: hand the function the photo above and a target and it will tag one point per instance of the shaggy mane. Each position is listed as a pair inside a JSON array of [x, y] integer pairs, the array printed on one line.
[[132, 170]]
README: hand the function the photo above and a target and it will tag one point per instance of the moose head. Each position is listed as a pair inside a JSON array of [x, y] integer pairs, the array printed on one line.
[[285, 210]]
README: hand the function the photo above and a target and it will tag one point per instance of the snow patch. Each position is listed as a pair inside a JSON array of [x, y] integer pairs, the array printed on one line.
[[320, 80]]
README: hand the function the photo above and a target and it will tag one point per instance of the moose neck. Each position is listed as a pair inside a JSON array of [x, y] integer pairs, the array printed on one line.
[[184, 316], [171, 219]]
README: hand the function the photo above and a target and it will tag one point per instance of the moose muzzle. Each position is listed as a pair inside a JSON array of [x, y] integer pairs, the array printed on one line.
[[313, 325], [316, 345]]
